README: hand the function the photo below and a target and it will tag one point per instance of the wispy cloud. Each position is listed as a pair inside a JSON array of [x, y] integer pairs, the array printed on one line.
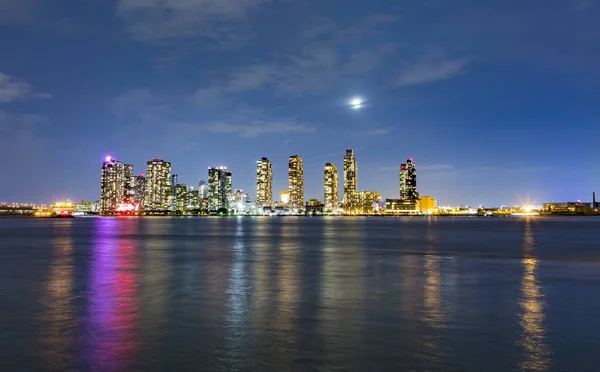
[[257, 129], [159, 21], [436, 167], [431, 70], [140, 103], [375, 132], [15, 89]]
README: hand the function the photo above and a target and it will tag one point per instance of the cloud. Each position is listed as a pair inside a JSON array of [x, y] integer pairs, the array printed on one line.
[[374, 132], [159, 21], [15, 89], [431, 70], [436, 167], [140, 103], [256, 129]]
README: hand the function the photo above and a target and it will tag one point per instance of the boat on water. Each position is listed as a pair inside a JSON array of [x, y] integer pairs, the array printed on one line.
[[62, 209]]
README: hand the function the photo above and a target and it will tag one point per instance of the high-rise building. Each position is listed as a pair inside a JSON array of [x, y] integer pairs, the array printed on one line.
[[408, 181], [264, 183], [219, 188], [173, 196], [158, 184], [181, 196], [203, 188], [114, 184], [193, 199], [331, 193], [139, 189], [129, 184], [350, 179], [296, 182], [284, 197]]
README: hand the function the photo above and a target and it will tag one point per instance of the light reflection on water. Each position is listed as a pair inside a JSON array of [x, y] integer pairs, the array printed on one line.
[[113, 313], [58, 319], [297, 294], [533, 338]]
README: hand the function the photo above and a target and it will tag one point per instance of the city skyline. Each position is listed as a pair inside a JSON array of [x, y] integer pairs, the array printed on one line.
[[478, 92]]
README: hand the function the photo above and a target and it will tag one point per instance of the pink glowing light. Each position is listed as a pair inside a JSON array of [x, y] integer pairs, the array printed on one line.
[[108, 159]]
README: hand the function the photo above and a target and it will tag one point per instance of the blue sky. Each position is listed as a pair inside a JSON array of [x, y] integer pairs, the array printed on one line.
[[496, 101]]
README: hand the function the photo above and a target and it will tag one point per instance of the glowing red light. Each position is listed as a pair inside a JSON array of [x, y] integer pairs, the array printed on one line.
[[128, 207]]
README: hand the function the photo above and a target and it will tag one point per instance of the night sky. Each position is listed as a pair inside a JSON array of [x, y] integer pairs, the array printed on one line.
[[498, 102]]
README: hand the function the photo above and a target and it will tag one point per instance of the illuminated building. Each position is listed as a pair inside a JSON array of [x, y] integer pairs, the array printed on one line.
[[219, 188], [193, 199], [264, 183], [296, 182], [568, 208], [426, 204], [314, 206], [158, 184], [139, 189], [331, 192], [350, 179], [129, 184], [408, 181], [85, 207], [367, 202], [284, 197], [399, 206], [181, 196], [114, 184], [173, 194], [203, 188], [239, 196]]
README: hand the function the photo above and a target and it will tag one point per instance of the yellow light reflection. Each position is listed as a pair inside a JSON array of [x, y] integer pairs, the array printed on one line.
[[533, 336]]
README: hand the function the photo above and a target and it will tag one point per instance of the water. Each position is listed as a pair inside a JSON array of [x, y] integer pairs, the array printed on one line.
[[300, 294]]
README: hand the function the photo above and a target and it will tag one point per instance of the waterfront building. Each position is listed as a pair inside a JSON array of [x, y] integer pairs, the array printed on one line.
[[181, 196], [408, 181], [85, 207], [568, 208], [350, 179], [193, 199], [331, 193], [368, 202], [203, 188], [139, 189], [284, 197], [173, 194], [219, 188], [426, 204], [129, 184], [264, 183], [314, 207], [296, 183], [400, 206], [158, 185], [114, 184]]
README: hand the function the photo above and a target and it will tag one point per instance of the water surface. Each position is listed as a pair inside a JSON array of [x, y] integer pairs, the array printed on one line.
[[300, 294]]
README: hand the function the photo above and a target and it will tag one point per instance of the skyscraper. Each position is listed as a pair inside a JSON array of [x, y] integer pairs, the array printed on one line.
[[114, 183], [350, 178], [158, 184], [296, 182], [331, 196], [202, 188], [181, 196], [408, 181], [173, 193], [129, 184], [264, 183], [219, 188], [139, 189]]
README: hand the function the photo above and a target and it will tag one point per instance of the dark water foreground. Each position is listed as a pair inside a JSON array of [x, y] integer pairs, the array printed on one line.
[[300, 294]]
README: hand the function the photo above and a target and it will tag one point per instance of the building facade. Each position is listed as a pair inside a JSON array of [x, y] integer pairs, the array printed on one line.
[[296, 183], [331, 185], [350, 179], [399, 206], [284, 197], [114, 184], [182, 196], [158, 185], [202, 188], [139, 189], [427, 204], [219, 188], [408, 181], [264, 183]]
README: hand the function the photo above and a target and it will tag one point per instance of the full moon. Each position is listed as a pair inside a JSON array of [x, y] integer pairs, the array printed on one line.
[[356, 103]]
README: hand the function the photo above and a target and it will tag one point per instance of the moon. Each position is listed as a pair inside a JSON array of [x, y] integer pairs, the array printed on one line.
[[356, 103]]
